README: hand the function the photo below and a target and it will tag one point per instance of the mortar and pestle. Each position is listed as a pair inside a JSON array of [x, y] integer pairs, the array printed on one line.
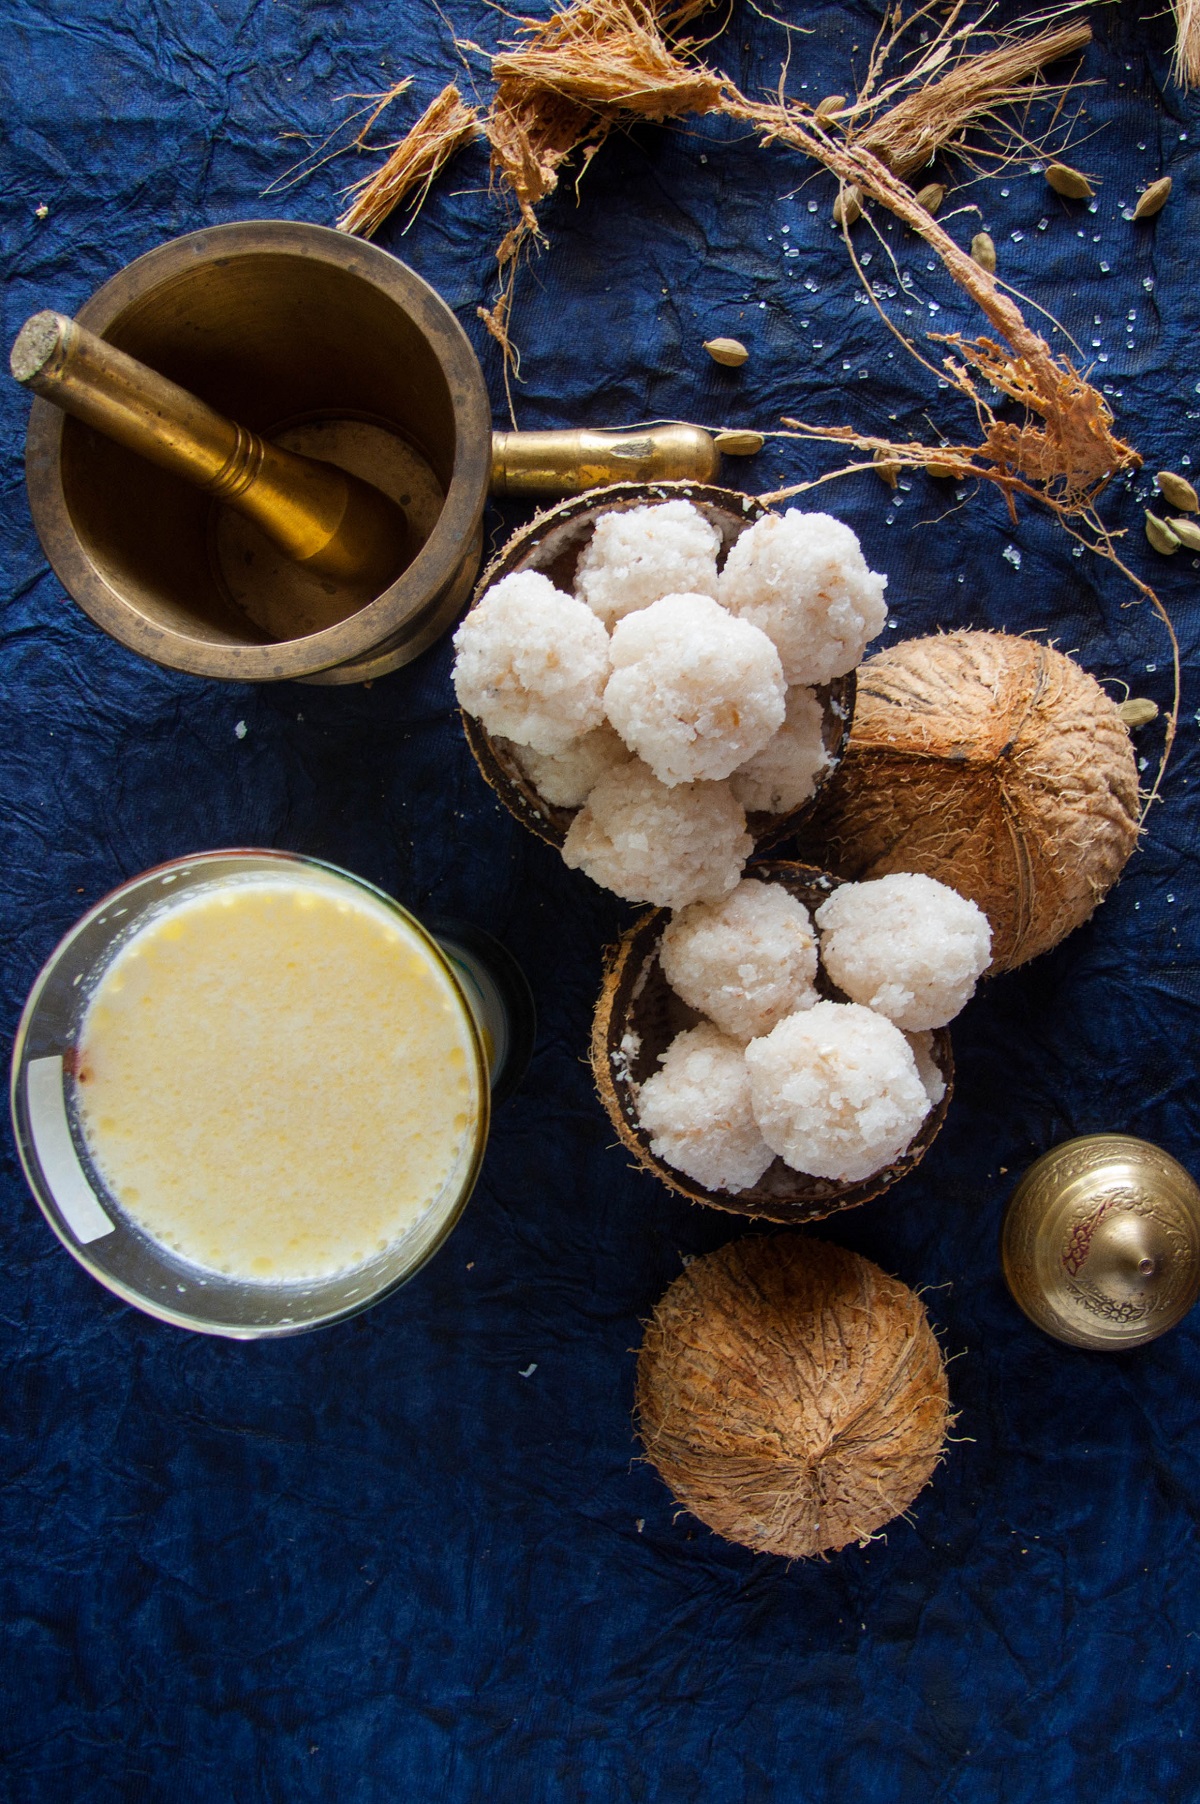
[[262, 451]]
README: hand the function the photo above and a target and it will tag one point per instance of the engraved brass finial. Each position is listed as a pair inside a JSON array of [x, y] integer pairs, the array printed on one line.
[[1101, 1242]]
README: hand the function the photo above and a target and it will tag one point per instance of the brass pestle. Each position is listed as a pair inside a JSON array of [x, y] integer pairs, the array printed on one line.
[[326, 520], [340, 359]]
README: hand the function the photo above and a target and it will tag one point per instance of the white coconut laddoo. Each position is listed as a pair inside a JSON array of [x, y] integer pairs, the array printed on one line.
[[928, 1069], [746, 961], [639, 554], [693, 692], [803, 579], [566, 778], [649, 843], [836, 1092], [531, 663], [696, 1110], [784, 774], [907, 946]]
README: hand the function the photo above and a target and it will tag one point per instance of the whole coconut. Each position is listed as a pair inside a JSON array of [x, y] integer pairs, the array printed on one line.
[[997, 766], [791, 1395]]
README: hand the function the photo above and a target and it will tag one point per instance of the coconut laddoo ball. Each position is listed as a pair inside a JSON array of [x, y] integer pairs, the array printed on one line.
[[784, 774], [693, 691], [565, 779], [531, 663], [791, 1395], [836, 1092], [746, 961], [907, 946], [696, 1110], [649, 843], [803, 580], [639, 554]]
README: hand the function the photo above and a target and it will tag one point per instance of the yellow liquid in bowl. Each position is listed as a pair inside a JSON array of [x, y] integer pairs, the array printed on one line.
[[277, 1079]]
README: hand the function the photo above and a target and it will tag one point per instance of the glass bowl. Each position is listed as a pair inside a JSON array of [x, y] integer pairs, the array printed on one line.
[[496, 1016]]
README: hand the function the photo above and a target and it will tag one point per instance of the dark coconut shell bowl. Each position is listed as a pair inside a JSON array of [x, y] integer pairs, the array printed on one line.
[[553, 543], [637, 998]]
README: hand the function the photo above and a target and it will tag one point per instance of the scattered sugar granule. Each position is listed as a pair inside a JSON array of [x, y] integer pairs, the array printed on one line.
[[907, 946], [638, 555], [696, 1110], [835, 1091], [784, 774], [532, 663], [649, 843], [803, 579], [693, 691], [746, 961], [566, 778], [928, 1069]]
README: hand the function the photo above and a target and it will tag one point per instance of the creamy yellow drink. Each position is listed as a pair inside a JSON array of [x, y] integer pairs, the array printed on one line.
[[277, 1078]]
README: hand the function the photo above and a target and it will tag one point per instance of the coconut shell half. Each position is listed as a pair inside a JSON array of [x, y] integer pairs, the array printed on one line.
[[553, 542], [639, 1014]]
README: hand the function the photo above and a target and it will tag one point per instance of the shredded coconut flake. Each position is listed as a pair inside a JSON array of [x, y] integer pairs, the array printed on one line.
[[905, 945], [566, 778], [928, 1069], [835, 1091], [803, 579], [532, 663], [649, 843], [784, 774], [696, 1110], [640, 554], [693, 692], [746, 961]]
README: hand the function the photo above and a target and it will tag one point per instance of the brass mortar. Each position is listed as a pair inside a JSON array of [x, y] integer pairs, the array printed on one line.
[[329, 347], [1101, 1242]]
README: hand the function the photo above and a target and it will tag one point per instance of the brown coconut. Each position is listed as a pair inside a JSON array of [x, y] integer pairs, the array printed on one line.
[[553, 542], [638, 1015], [997, 766], [792, 1395]]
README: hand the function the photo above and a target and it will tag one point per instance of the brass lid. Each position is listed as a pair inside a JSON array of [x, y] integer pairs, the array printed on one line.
[[1101, 1242]]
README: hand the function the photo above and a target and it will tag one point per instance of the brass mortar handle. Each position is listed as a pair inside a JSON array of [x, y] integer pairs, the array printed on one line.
[[325, 519], [567, 462]]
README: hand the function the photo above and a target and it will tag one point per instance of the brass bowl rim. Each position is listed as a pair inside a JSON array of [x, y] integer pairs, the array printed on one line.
[[415, 589]]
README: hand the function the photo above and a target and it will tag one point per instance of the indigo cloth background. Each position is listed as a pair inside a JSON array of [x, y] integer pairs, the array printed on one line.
[[415, 1556]]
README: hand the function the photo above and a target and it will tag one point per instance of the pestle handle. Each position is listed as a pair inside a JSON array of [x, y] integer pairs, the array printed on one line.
[[566, 463], [327, 520]]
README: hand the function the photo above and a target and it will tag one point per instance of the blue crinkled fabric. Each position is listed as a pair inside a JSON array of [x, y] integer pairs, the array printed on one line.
[[415, 1556]]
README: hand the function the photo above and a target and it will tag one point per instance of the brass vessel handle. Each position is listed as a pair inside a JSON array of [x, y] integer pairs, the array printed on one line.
[[327, 520], [566, 463]]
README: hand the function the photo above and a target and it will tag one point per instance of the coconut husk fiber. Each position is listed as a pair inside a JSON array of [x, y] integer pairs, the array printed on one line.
[[994, 764], [443, 128], [792, 1395], [975, 88], [1185, 66], [638, 1015], [553, 542]]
